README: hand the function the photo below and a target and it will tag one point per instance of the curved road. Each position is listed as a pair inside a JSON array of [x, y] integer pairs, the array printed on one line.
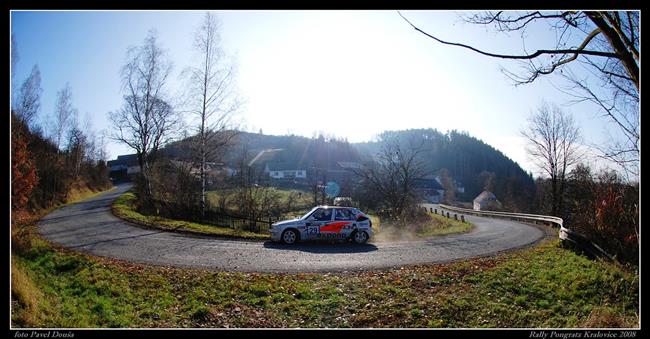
[[89, 226]]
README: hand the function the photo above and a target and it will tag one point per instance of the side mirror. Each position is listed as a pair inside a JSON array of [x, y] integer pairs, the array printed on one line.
[[361, 218]]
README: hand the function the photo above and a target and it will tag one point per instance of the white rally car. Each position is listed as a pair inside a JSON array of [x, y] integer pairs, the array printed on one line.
[[325, 223]]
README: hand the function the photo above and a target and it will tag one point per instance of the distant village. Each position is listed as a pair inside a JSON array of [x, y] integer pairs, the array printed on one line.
[[277, 172]]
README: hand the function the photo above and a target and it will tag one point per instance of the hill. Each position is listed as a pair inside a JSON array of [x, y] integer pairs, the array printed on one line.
[[469, 161]]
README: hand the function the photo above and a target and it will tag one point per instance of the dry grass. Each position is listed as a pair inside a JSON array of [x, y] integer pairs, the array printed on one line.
[[430, 225], [545, 286], [80, 191], [606, 317], [25, 298]]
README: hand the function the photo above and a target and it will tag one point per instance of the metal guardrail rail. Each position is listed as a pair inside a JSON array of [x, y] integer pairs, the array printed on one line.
[[565, 234], [519, 216]]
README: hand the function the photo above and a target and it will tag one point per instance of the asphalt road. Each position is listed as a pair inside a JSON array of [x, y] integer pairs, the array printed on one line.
[[89, 226]]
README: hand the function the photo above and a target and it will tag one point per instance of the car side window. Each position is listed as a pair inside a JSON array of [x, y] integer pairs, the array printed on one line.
[[323, 215], [343, 214]]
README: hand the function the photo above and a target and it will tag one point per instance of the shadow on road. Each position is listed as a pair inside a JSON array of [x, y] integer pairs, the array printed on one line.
[[68, 216], [116, 239], [98, 203], [322, 247]]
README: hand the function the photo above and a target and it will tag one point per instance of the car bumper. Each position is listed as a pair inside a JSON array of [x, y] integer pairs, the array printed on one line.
[[275, 234]]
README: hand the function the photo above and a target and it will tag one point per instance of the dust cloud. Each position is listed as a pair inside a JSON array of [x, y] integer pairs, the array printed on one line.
[[392, 233]]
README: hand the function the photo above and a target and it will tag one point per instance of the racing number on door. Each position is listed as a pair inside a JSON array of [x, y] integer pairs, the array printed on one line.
[[313, 230]]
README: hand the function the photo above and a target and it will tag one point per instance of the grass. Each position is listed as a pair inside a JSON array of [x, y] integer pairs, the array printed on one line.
[[432, 225], [123, 207], [81, 192], [544, 286], [25, 296], [301, 198], [440, 225]]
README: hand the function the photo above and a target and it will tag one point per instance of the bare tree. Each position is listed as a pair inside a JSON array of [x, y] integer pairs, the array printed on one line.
[[393, 176], [28, 99], [76, 150], [616, 100], [253, 199], [91, 154], [316, 180], [449, 186], [605, 44], [211, 97], [65, 115], [101, 147], [553, 141], [146, 121], [488, 180]]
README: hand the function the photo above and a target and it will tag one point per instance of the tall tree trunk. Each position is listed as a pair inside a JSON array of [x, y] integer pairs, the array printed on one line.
[[144, 169], [554, 196], [203, 186]]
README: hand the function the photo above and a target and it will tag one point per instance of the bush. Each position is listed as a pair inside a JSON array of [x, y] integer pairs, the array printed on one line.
[[43, 175], [605, 211], [23, 171], [176, 190]]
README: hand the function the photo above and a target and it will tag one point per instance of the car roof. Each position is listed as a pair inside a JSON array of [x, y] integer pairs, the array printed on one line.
[[328, 206]]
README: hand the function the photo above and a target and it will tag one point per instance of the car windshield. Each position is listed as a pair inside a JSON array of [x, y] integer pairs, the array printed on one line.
[[323, 214], [304, 217]]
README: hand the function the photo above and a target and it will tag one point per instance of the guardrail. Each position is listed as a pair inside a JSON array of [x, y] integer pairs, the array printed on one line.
[[565, 234], [517, 216]]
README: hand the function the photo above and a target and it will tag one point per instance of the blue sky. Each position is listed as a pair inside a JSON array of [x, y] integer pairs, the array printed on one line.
[[348, 73]]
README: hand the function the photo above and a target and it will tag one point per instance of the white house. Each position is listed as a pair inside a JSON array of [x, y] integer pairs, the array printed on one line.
[[486, 200], [283, 171]]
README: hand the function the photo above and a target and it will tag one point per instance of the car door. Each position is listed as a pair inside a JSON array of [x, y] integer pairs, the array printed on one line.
[[324, 220], [340, 226], [343, 222], [320, 218]]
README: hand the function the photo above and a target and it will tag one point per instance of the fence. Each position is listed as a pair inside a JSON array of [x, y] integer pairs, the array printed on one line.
[[221, 218]]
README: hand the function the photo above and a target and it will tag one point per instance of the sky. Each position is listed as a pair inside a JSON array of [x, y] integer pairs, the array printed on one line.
[[351, 74]]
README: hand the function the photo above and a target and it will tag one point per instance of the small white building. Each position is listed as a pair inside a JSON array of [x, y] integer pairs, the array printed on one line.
[[486, 200], [280, 171]]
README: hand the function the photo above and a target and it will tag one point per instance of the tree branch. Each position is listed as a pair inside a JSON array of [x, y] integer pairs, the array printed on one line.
[[618, 46], [516, 57]]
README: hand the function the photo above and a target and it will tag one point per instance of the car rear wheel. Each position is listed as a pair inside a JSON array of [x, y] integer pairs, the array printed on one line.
[[289, 236], [360, 237]]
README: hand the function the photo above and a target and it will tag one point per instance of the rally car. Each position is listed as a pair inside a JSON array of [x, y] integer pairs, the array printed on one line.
[[325, 223]]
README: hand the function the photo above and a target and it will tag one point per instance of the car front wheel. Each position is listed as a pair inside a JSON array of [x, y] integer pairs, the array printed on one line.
[[360, 237], [289, 237]]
